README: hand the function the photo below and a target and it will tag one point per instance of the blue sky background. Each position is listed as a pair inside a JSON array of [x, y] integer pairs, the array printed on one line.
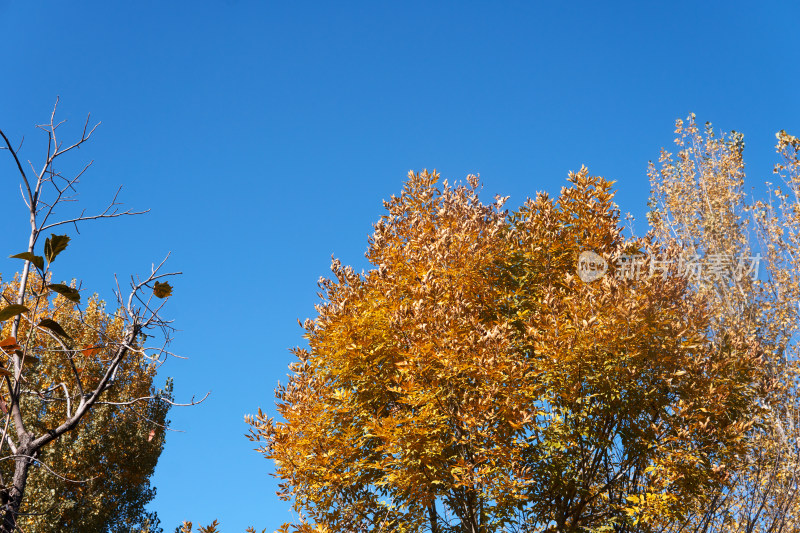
[[263, 137]]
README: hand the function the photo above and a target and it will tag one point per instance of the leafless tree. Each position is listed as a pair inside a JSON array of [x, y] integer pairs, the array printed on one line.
[[44, 188]]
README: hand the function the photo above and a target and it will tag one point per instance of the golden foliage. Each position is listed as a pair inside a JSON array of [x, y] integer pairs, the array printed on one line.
[[471, 382], [96, 477], [186, 527], [699, 200]]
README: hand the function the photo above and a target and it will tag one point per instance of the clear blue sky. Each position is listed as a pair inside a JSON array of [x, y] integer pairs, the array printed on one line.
[[264, 135]]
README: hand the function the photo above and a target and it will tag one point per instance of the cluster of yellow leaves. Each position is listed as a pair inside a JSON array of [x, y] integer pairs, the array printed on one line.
[[470, 380], [108, 459], [186, 527], [699, 201]]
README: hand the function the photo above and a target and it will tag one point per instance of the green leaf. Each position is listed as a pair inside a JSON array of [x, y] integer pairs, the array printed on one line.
[[66, 291], [54, 326], [37, 260], [54, 246], [162, 290], [12, 310]]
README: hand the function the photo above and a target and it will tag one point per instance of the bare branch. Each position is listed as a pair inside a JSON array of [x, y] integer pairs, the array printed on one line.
[[156, 397], [162, 426], [46, 467], [108, 212], [94, 217], [19, 166]]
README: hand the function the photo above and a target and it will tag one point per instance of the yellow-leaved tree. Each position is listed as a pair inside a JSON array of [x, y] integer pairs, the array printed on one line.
[[470, 381], [96, 478], [699, 201]]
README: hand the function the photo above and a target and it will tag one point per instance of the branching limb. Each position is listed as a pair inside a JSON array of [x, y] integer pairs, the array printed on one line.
[[46, 467], [156, 397]]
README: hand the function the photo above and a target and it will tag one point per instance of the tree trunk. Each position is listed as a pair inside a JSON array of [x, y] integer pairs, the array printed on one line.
[[12, 498], [434, 519]]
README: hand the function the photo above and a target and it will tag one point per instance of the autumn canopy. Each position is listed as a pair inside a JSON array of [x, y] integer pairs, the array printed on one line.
[[471, 381]]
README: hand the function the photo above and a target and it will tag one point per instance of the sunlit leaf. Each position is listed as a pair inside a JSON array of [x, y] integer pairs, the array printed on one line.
[[11, 311], [90, 351], [162, 290], [53, 326], [9, 345], [54, 245], [37, 260], [66, 291]]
